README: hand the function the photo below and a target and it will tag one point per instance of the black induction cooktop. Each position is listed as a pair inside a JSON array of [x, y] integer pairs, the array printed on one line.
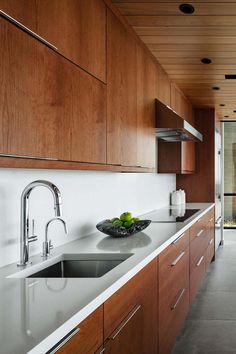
[[178, 214]]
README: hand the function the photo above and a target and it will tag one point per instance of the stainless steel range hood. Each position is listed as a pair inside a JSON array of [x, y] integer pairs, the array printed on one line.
[[171, 127]]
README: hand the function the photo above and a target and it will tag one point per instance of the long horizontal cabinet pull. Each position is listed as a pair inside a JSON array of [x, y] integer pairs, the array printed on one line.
[[178, 300], [26, 29], [178, 238], [63, 341], [29, 157], [199, 233], [200, 261], [177, 259], [125, 322], [211, 241]]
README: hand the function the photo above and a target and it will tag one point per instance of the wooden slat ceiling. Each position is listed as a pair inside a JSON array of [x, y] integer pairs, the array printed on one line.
[[179, 42]]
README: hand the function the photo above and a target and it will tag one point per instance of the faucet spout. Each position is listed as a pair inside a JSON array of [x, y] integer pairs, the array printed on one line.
[[25, 239], [47, 244]]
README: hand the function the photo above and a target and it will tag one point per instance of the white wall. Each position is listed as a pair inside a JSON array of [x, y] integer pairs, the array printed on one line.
[[88, 197]]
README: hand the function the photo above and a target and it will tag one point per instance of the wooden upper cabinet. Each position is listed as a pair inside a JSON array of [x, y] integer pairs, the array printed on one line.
[[24, 11], [121, 94], [180, 104], [176, 157], [163, 86], [45, 108], [146, 90], [77, 28]]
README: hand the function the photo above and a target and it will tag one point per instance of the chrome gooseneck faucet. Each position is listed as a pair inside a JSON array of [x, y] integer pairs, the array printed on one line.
[[47, 244], [25, 238]]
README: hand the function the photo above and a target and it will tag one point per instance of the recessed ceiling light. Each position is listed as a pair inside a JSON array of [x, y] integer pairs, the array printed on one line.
[[234, 111], [187, 9], [215, 88], [226, 116], [222, 105], [206, 61]]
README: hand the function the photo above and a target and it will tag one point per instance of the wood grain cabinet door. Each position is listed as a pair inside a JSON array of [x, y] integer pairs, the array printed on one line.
[[121, 94], [85, 339], [146, 90], [127, 338], [130, 315], [188, 157], [78, 29], [46, 111], [23, 11]]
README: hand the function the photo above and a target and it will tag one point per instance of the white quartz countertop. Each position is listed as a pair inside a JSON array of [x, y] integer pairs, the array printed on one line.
[[36, 313]]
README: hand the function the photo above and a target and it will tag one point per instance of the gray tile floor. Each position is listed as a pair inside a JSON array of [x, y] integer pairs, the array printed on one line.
[[211, 324]]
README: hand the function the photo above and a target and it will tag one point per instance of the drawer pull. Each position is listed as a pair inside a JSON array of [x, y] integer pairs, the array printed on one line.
[[211, 219], [198, 220], [200, 261], [178, 259], [199, 233], [126, 321], [211, 241], [178, 300], [178, 238], [102, 351], [26, 29], [63, 341]]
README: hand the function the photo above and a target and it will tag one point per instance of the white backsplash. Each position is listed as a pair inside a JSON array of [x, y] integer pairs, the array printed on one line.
[[87, 197]]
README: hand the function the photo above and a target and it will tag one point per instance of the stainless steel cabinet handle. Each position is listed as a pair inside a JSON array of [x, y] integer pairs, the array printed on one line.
[[211, 219], [177, 259], [198, 220], [199, 233], [26, 29], [63, 341], [126, 321], [211, 241], [102, 351], [200, 261], [178, 300], [178, 238]]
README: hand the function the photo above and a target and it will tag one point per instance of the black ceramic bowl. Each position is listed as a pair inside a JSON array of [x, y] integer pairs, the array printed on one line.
[[110, 229]]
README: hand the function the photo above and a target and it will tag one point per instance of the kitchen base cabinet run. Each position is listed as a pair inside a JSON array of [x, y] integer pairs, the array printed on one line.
[[146, 315]]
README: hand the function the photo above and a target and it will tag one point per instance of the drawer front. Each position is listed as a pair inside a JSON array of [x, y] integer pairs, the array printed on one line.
[[88, 338], [173, 306], [201, 224], [211, 230], [171, 258], [198, 247], [210, 252], [140, 291], [196, 275]]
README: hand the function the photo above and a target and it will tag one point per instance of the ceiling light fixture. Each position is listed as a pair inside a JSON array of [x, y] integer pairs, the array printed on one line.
[[234, 111], [216, 88], [187, 9], [222, 105], [206, 61], [226, 116]]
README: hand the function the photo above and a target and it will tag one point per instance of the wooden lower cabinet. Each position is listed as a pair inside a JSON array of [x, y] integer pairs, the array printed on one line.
[[146, 315], [89, 337], [130, 315], [202, 249], [173, 291]]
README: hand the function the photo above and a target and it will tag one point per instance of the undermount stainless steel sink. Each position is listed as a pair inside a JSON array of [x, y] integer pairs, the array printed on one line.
[[81, 266]]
